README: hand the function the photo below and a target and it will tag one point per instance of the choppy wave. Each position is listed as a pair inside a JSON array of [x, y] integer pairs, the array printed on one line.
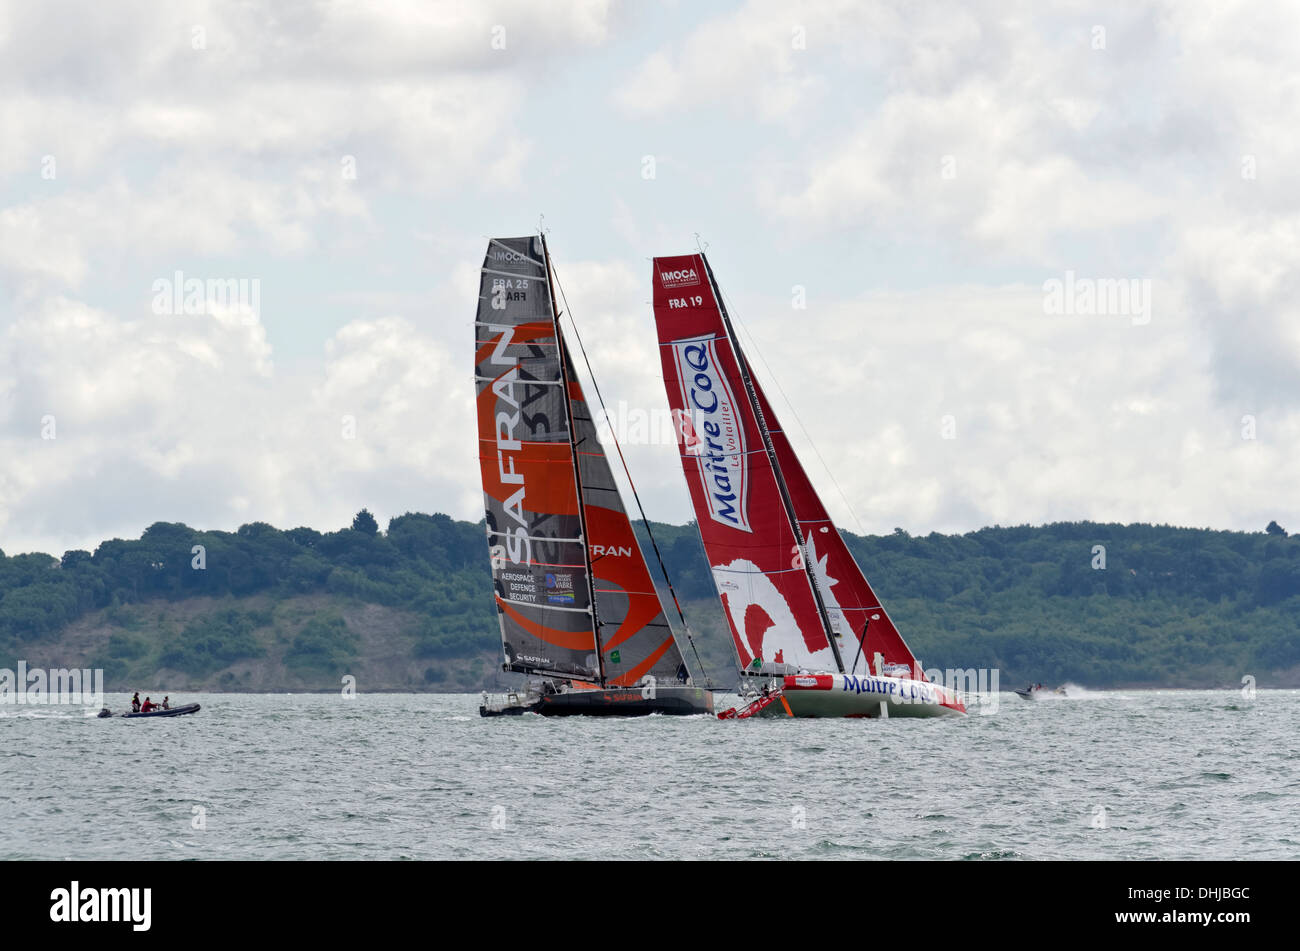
[[422, 776]]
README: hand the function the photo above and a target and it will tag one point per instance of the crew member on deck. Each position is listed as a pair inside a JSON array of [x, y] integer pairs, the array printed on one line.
[[148, 706], [135, 702], [166, 704]]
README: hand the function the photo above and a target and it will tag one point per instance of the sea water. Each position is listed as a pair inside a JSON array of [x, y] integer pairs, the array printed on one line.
[[1109, 775]]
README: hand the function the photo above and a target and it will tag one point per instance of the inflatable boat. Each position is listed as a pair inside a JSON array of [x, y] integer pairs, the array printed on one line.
[[173, 712]]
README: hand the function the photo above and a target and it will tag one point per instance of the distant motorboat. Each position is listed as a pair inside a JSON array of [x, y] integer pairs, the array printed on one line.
[[173, 712], [1039, 691]]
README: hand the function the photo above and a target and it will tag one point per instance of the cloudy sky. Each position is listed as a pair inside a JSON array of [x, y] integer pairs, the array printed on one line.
[[908, 206]]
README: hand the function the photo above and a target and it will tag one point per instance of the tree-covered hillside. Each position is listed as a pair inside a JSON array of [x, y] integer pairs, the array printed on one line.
[[1097, 604]]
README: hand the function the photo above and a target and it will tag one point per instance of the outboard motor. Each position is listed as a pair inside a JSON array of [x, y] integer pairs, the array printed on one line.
[[105, 712]]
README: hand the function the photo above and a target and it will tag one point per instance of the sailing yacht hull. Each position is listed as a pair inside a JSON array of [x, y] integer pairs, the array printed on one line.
[[611, 702], [853, 696]]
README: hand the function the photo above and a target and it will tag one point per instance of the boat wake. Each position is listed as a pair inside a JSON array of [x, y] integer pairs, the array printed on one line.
[[1072, 691]]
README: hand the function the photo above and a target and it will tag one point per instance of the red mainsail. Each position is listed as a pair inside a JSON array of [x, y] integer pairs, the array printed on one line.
[[748, 537], [747, 513]]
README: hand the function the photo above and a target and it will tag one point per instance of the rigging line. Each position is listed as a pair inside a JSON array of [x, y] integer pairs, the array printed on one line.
[[797, 418], [708, 681]]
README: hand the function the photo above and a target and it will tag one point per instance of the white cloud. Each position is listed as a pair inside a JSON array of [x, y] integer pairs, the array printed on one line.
[[198, 208], [1170, 155], [1243, 281], [1009, 135], [416, 90], [745, 58], [185, 418], [1065, 417]]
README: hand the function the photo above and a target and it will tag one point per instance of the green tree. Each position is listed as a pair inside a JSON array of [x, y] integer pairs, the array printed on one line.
[[365, 522]]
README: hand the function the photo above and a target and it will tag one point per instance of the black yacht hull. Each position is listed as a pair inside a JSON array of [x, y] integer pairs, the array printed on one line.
[[610, 702]]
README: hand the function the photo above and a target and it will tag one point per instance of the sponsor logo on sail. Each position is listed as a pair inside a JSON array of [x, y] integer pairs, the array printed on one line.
[[506, 256], [683, 277], [509, 447], [559, 589], [712, 432], [897, 670]]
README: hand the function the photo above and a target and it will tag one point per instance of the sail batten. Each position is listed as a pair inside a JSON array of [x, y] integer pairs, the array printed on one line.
[[543, 607], [494, 379], [498, 273]]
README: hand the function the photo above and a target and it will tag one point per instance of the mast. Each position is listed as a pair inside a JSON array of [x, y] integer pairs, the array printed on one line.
[[786, 501], [577, 466]]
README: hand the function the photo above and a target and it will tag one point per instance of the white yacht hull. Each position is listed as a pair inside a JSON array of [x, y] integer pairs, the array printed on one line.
[[852, 696]]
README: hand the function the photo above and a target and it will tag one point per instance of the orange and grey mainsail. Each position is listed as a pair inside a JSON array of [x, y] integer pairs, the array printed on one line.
[[574, 596], [792, 592]]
